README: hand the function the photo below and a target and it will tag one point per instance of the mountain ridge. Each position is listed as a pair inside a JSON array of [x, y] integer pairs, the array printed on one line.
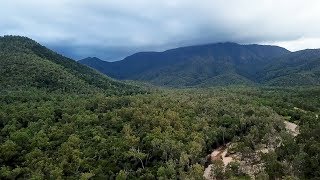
[[294, 69], [185, 65]]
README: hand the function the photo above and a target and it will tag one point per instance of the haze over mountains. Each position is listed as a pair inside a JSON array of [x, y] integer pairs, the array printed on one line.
[[215, 65]]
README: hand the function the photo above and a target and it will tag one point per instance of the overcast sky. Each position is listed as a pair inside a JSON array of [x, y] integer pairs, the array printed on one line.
[[113, 29]]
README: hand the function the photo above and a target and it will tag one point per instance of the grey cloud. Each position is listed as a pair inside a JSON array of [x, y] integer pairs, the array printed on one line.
[[114, 29]]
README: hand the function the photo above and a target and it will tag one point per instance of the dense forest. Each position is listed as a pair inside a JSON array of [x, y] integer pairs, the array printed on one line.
[[79, 124], [25, 64], [164, 135]]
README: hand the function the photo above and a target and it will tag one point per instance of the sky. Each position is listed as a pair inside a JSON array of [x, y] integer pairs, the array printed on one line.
[[114, 29]]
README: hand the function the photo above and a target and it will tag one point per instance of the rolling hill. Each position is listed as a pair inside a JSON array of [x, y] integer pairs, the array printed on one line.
[[209, 65], [25, 63]]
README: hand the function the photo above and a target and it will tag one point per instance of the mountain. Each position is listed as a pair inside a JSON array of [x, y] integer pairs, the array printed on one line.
[[294, 69], [212, 64], [25, 63]]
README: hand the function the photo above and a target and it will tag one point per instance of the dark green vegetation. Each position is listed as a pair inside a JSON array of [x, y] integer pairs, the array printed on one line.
[[74, 127], [294, 69], [297, 157], [165, 135], [26, 64], [217, 65], [206, 65]]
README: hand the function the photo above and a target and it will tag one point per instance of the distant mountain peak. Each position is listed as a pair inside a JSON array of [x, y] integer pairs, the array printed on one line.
[[91, 59], [192, 65]]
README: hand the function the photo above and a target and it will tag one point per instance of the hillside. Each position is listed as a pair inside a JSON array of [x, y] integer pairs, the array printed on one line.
[[57, 121], [191, 66], [294, 69], [25, 63]]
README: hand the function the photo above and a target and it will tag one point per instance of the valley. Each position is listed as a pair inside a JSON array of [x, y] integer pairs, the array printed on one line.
[[60, 119]]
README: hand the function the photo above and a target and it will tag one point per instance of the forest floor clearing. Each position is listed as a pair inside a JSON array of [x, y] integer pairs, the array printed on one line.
[[292, 128], [221, 153]]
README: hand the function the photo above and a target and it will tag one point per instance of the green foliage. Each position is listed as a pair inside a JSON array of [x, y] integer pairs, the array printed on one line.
[[301, 68], [24, 64], [233, 170], [217, 169], [57, 123], [164, 134], [273, 167]]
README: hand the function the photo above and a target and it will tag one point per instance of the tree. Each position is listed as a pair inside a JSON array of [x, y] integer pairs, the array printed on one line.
[[217, 169], [272, 166], [122, 175], [137, 154]]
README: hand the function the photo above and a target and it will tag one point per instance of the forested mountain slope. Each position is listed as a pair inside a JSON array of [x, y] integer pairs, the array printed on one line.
[[294, 69], [194, 65], [25, 63]]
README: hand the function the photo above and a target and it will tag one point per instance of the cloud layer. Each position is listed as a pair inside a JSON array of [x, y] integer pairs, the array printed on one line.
[[114, 29]]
